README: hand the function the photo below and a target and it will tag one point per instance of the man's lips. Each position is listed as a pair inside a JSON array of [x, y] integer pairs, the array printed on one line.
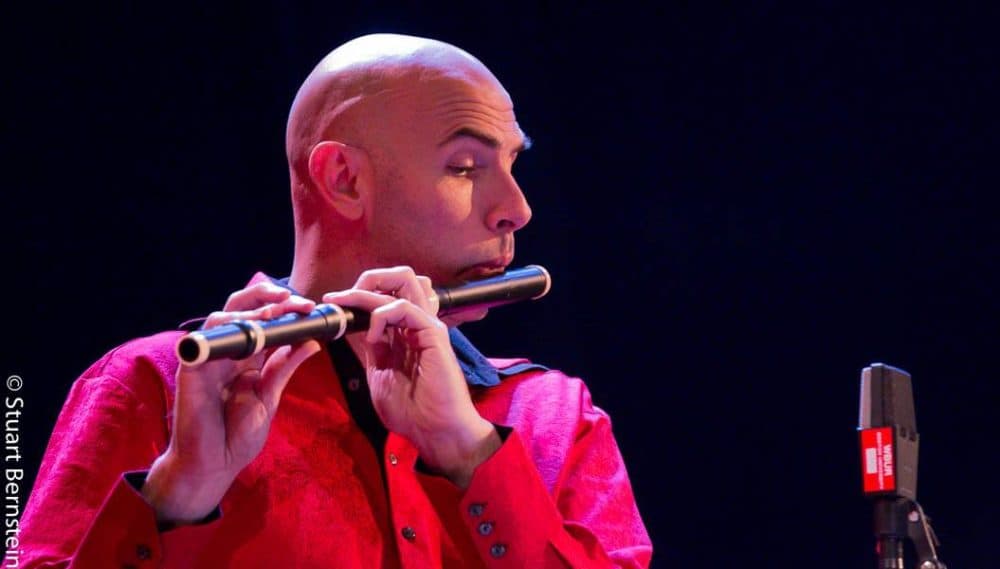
[[486, 269]]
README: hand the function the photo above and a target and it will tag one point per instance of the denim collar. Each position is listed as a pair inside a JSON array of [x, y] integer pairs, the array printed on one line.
[[477, 369]]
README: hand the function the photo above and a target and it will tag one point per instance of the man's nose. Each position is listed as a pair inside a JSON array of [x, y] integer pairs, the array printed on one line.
[[510, 211]]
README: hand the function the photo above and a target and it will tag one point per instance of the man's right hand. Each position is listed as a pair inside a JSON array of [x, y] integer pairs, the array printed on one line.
[[223, 411]]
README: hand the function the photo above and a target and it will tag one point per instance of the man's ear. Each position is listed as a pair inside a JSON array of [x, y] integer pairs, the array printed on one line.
[[334, 168]]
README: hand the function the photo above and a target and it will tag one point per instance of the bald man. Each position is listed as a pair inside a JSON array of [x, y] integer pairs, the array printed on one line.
[[400, 447]]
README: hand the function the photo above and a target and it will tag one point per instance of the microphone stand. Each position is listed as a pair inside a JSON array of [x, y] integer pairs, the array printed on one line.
[[923, 538], [898, 520]]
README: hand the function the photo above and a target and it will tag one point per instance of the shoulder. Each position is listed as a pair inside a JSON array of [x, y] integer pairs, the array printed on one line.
[[528, 377], [136, 365], [534, 393]]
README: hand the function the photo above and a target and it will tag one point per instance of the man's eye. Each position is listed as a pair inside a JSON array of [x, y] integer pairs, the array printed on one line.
[[461, 170]]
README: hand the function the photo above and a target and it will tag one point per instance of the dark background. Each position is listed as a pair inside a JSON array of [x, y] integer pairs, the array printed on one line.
[[741, 207]]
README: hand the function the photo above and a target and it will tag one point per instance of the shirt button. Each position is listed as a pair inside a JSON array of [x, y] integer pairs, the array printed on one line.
[[498, 550], [476, 509], [409, 534], [353, 384], [143, 552], [393, 459], [485, 528]]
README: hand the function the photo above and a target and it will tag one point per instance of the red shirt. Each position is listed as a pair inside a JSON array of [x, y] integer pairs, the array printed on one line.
[[556, 494]]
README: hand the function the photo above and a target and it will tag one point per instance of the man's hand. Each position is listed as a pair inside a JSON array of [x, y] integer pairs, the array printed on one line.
[[223, 411], [417, 388]]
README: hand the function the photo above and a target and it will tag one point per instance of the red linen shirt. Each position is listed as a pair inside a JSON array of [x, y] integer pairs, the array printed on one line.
[[556, 493]]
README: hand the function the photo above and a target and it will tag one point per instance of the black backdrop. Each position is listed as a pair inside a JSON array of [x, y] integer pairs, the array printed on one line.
[[740, 206]]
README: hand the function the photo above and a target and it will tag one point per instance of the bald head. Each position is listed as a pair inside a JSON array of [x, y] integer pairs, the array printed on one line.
[[400, 152], [349, 95]]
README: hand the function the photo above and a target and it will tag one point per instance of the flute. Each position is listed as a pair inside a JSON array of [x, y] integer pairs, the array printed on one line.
[[243, 338]]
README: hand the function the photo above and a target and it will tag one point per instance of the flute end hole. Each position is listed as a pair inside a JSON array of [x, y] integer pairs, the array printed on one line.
[[187, 350]]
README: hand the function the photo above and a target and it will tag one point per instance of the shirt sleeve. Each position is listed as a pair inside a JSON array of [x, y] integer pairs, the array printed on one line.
[[587, 518], [86, 509]]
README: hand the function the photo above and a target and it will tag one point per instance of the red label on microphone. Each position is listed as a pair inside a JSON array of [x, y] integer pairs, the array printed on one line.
[[878, 470]]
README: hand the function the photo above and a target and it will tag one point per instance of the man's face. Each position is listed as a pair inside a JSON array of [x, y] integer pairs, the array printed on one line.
[[445, 201]]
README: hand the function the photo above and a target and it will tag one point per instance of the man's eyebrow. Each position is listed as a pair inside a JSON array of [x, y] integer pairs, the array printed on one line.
[[485, 139]]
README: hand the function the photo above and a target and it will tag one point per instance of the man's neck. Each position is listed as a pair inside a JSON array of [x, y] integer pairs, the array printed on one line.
[[315, 277], [326, 260]]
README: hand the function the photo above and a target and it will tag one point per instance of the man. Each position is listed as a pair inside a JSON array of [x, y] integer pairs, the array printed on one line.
[[402, 446]]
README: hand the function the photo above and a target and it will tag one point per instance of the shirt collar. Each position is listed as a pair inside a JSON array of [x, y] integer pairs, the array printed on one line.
[[477, 369]]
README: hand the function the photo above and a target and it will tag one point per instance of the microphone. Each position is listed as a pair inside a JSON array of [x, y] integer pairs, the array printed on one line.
[[887, 431], [242, 338]]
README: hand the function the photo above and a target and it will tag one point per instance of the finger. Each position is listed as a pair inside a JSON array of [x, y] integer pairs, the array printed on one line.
[[465, 315], [266, 312], [243, 381], [294, 303], [401, 314], [278, 369], [253, 296], [221, 317], [357, 298], [433, 302], [400, 282], [215, 376]]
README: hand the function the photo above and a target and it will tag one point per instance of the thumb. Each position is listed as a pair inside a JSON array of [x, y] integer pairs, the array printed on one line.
[[278, 369]]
